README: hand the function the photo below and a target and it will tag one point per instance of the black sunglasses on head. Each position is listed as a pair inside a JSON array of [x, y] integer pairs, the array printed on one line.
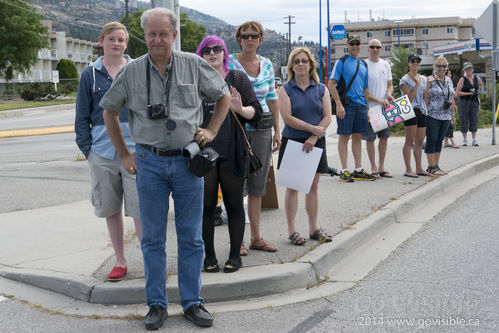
[[216, 49], [247, 36], [415, 61], [375, 47]]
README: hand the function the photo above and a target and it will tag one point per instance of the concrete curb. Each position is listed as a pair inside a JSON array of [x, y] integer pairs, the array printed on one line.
[[259, 280]]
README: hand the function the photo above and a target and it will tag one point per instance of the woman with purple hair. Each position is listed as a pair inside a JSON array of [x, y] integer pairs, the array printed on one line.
[[233, 164]]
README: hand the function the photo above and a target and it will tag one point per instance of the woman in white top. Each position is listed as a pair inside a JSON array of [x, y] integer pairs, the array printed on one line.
[[413, 84]]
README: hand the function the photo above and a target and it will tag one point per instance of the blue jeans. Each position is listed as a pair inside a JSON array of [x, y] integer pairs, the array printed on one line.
[[157, 177], [435, 133]]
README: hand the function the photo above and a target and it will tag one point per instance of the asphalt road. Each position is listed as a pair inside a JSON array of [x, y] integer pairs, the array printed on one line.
[[55, 115], [41, 171], [443, 279]]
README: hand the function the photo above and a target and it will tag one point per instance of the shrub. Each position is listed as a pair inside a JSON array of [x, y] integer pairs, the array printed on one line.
[[67, 69], [39, 91], [67, 88]]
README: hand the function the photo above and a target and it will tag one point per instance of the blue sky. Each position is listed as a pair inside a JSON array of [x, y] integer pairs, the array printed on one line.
[[272, 13]]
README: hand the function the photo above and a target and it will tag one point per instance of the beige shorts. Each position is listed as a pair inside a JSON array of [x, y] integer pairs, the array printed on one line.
[[110, 184]]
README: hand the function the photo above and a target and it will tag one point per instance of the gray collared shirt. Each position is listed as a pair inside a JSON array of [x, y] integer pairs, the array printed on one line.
[[192, 80]]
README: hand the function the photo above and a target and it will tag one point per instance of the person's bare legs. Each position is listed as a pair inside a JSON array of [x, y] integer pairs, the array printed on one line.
[[382, 148], [343, 149], [371, 153], [138, 228], [254, 213], [254, 210], [431, 159], [357, 149], [291, 206], [418, 150], [312, 205], [410, 134], [115, 227], [473, 135]]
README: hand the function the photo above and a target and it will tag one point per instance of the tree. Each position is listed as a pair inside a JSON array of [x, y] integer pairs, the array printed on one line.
[[399, 67], [21, 36], [136, 42], [191, 34]]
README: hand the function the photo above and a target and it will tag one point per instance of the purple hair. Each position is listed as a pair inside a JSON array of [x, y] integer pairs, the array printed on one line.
[[210, 40]]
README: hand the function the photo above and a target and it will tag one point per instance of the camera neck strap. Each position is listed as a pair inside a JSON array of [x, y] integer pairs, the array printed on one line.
[[441, 88], [168, 82]]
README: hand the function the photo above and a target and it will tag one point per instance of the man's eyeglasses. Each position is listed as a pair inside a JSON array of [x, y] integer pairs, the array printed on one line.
[[303, 61], [375, 47], [216, 49], [247, 36], [441, 66], [415, 61], [354, 43]]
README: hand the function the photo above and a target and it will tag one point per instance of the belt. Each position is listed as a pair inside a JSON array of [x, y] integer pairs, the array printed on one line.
[[161, 151]]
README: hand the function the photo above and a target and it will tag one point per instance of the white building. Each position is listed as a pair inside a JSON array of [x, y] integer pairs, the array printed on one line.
[[421, 34], [61, 47]]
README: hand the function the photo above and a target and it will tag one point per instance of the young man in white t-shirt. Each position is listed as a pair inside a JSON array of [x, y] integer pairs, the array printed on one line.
[[380, 92]]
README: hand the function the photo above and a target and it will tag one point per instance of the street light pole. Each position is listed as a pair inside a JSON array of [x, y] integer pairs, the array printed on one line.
[[398, 32]]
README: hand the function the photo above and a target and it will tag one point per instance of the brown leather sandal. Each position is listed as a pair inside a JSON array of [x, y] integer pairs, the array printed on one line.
[[243, 251], [262, 245]]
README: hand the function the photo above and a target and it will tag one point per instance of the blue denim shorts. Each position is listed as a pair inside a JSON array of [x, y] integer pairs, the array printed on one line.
[[355, 121]]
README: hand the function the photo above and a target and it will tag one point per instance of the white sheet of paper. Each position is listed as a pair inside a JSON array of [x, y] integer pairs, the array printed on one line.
[[297, 169]]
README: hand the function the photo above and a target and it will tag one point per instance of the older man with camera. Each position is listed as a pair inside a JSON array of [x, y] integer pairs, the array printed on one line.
[[163, 90]]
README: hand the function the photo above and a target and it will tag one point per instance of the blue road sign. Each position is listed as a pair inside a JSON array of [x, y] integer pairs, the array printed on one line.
[[338, 31]]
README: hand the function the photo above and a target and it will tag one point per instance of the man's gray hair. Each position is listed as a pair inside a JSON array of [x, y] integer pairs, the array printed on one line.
[[159, 11]]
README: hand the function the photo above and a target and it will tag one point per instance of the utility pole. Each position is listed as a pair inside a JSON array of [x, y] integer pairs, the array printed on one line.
[[289, 17], [126, 14]]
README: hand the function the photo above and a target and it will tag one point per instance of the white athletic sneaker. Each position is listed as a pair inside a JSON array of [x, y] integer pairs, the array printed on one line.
[[474, 143], [465, 142]]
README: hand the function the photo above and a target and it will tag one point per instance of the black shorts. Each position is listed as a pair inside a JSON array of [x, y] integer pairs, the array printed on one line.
[[419, 120], [321, 143]]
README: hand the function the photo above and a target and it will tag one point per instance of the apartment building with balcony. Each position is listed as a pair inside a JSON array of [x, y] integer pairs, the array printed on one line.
[[421, 34], [81, 52]]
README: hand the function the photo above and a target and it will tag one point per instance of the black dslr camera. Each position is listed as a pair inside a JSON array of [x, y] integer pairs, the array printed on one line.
[[157, 111]]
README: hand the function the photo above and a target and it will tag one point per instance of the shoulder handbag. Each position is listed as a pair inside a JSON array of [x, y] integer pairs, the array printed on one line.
[[344, 93], [255, 164]]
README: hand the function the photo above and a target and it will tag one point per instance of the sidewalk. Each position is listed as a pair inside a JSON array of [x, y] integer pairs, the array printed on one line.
[[66, 249]]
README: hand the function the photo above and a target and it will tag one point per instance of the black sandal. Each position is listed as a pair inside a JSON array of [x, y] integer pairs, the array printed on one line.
[[321, 236], [296, 239], [210, 265], [232, 265]]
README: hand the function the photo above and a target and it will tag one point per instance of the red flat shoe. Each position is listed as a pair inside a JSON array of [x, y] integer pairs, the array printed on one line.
[[117, 273]]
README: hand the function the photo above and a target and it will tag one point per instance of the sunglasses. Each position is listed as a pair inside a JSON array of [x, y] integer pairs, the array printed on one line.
[[354, 43], [216, 49], [303, 61], [375, 47], [247, 36], [441, 66], [415, 61]]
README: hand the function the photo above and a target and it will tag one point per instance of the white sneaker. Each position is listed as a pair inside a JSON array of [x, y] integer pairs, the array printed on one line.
[[465, 142], [474, 143]]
